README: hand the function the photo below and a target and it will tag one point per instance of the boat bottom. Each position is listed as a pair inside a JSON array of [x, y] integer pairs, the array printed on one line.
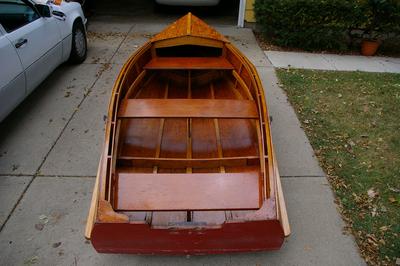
[[230, 237]]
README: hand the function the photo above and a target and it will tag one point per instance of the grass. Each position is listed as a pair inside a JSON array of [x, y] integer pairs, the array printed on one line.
[[353, 122]]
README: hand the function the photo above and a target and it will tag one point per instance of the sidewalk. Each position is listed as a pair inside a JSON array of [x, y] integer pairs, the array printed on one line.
[[334, 62]]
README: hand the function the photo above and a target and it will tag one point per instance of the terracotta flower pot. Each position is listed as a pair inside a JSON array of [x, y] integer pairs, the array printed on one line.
[[369, 47]]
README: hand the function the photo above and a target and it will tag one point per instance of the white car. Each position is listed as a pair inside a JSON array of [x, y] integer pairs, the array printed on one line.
[[35, 38], [188, 2]]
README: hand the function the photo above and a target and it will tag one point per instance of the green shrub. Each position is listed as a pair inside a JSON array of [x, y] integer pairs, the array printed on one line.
[[381, 18], [309, 24], [327, 24]]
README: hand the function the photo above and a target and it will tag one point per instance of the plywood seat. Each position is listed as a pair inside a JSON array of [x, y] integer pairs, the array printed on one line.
[[187, 108], [189, 63], [197, 191]]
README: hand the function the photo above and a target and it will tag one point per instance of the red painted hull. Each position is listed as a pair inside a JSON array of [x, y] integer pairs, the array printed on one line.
[[230, 237]]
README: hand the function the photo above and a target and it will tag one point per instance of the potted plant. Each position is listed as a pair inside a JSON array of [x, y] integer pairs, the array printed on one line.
[[378, 24], [370, 45], [370, 30]]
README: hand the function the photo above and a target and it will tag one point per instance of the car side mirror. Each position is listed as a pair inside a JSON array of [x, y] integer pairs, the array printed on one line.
[[44, 10]]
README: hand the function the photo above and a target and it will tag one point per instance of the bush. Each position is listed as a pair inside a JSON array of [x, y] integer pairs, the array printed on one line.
[[308, 24], [381, 18], [327, 24]]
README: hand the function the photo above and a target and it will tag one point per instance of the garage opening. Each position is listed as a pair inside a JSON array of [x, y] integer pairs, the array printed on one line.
[[225, 13]]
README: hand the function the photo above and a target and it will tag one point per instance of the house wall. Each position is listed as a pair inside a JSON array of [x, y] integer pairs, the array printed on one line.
[[249, 11]]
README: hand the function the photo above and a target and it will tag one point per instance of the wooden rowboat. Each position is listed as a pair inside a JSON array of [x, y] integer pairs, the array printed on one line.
[[188, 165]]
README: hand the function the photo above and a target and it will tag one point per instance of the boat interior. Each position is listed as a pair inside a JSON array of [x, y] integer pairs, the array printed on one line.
[[187, 142]]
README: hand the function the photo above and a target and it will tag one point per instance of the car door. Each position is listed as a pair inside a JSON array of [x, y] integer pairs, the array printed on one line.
[[12, 78], [37, 41]]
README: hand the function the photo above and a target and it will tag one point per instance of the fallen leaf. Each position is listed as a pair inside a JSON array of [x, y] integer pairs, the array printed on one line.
[[384, 228], [394, 190], [44, 218], [392, 200], [39, 227], [372, 193], [32, 260], [56, 245], [373, 212]]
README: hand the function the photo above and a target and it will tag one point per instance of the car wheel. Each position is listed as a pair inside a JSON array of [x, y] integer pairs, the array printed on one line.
[[79, 43]]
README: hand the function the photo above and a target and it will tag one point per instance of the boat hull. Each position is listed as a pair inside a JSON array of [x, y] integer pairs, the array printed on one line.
[[246, 236], [188, 165]]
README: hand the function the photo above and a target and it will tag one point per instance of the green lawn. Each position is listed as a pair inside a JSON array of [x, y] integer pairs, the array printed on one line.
[[353, 122]]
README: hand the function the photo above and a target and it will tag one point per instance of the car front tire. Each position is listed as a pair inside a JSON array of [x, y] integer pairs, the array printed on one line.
[[79, 43]]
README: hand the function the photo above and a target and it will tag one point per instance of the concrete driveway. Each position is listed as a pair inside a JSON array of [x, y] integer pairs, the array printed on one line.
[[50, 147]]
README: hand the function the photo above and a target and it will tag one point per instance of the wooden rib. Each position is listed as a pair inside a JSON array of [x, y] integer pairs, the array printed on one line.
[[217, 134], [135, 84], [243, 84], [161, 130], [127, 68], [147, 82], [240, 71], [234, 88]]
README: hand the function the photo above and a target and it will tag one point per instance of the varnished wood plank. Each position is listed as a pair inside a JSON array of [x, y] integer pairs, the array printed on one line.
[[189, 63], [187, 162], [188, 191], [183, 108]]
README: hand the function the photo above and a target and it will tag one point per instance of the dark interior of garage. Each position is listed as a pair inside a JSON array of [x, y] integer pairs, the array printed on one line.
[[224, 13]]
